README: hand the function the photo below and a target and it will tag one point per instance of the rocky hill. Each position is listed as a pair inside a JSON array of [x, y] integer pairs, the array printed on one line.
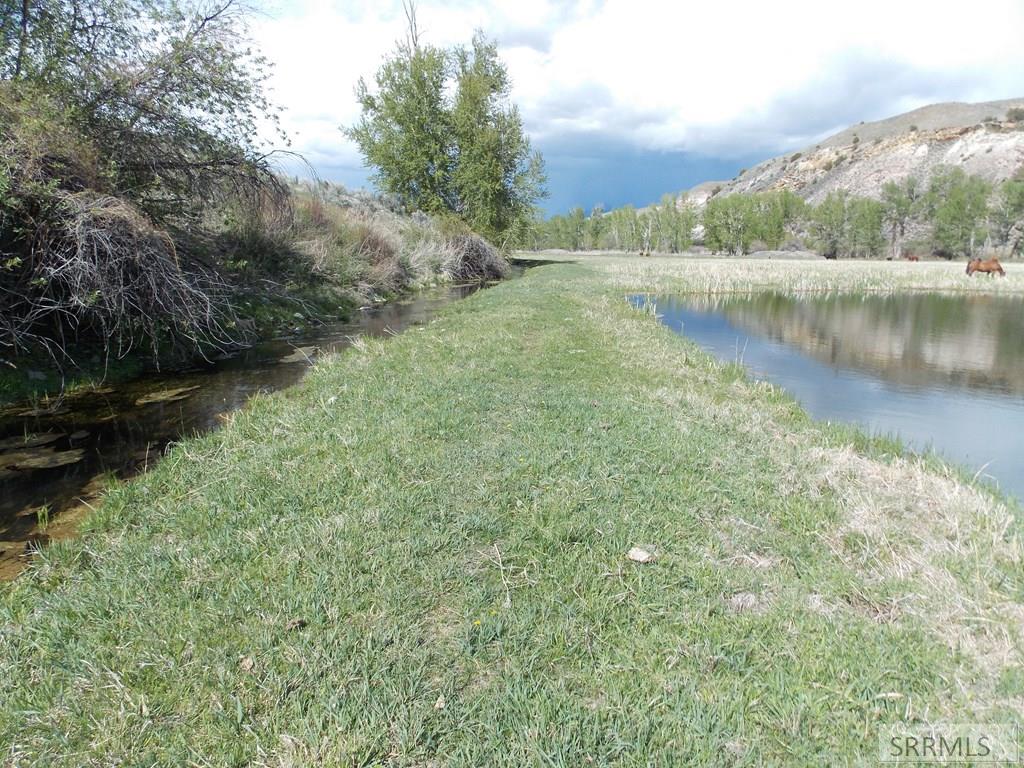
[[980, 138]]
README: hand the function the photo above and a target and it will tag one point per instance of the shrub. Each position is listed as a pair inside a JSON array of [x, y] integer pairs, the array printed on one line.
[[470, 257], [91, 263], [1015, 115]]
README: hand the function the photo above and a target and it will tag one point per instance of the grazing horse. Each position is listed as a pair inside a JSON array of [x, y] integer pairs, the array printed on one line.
[[991, 266], [913, 258]]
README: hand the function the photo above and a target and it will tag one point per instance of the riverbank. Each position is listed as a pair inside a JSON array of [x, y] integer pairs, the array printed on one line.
[[419, 555], [337, 252]]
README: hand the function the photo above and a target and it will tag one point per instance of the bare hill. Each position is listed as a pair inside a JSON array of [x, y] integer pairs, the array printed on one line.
[[980, 138]]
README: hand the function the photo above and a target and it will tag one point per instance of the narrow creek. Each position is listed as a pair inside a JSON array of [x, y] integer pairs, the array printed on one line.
[[55, 463]]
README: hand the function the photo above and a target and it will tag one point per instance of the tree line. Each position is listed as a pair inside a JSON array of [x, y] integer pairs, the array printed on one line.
[[952, 215]]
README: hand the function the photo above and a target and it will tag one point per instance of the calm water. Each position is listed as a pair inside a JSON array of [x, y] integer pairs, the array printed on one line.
[[939, 371], [122, 430]]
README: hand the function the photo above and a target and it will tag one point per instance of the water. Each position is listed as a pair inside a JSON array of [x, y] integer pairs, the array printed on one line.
[[942, 372], [116, 432]]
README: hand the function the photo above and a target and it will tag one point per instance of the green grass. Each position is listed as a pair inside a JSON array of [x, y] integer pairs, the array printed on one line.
[[448, 514]]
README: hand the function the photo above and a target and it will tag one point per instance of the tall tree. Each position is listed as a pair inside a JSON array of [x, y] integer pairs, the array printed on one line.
[[864, 233], [958, 207], [829, 223], [900, 202], [443, 136], [1007, 215]]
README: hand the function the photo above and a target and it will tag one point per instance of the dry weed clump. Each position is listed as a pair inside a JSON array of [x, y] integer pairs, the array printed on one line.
[[358, 239], [100, 266], [85, 258], [470, 257]]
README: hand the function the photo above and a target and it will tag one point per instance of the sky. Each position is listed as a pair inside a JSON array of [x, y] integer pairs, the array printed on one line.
[[631, 99]]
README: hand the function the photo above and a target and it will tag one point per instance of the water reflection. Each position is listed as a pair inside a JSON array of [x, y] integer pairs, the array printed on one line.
[[53, 463], [940, 371]]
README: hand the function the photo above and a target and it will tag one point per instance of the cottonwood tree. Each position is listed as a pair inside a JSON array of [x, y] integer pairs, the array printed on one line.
[[444, 138], [900, 203], [957, 205], [1007, 215], [829, 223], [864, 233], [729, 223]]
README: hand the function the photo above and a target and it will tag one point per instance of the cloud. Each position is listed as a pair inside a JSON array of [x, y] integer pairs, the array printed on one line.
[[727, 80]]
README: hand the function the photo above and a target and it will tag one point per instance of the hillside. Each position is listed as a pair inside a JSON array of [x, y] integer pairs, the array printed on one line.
[[976, 137]]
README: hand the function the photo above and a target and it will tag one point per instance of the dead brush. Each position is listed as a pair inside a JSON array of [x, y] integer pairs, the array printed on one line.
[[470, 257], [99, 265]]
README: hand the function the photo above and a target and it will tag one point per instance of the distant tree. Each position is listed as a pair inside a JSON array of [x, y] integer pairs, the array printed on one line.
[[730, 223], [1007, 215], [829, 223], [900, 202], [596, 225], [577, 222], [957, 206], [864, 234], [442, 135], [677, 220], [775, 214]]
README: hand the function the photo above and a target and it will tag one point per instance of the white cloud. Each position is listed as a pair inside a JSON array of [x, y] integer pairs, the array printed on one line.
[[725, 78]]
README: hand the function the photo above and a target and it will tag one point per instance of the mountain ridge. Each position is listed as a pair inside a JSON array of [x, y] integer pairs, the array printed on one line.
[[978, 137]]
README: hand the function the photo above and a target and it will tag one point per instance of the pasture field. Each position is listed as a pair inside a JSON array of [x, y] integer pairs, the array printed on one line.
[[418, 557]]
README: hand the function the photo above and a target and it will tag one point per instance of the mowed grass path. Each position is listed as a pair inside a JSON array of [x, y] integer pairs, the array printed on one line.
[[418, 557]]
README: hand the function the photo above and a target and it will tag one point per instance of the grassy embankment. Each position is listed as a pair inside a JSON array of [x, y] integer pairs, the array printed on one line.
[[418, 557], [331, 251]]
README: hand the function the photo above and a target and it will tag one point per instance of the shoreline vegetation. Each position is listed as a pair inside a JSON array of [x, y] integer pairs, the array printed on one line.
[[341, 251], [419, 555], [145, 220], [949, 215]]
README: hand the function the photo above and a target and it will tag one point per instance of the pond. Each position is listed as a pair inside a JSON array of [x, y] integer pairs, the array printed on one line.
[[941, 372], [54, 463]]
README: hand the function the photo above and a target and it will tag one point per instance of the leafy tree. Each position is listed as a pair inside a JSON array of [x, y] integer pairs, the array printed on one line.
[[406, 128], [900, 202], [577, 222], [829, 223], [1007, 215], [443, 137], [958, 205], [597, 224], [167, 92], [673, 224], [864, 233], [774, 214], [730, 223]]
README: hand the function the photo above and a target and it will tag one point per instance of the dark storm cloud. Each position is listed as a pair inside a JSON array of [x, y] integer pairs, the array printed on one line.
[[589, 170]]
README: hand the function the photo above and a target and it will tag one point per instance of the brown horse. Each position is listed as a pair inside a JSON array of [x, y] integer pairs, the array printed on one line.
[[913, 258], [991, 266]]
